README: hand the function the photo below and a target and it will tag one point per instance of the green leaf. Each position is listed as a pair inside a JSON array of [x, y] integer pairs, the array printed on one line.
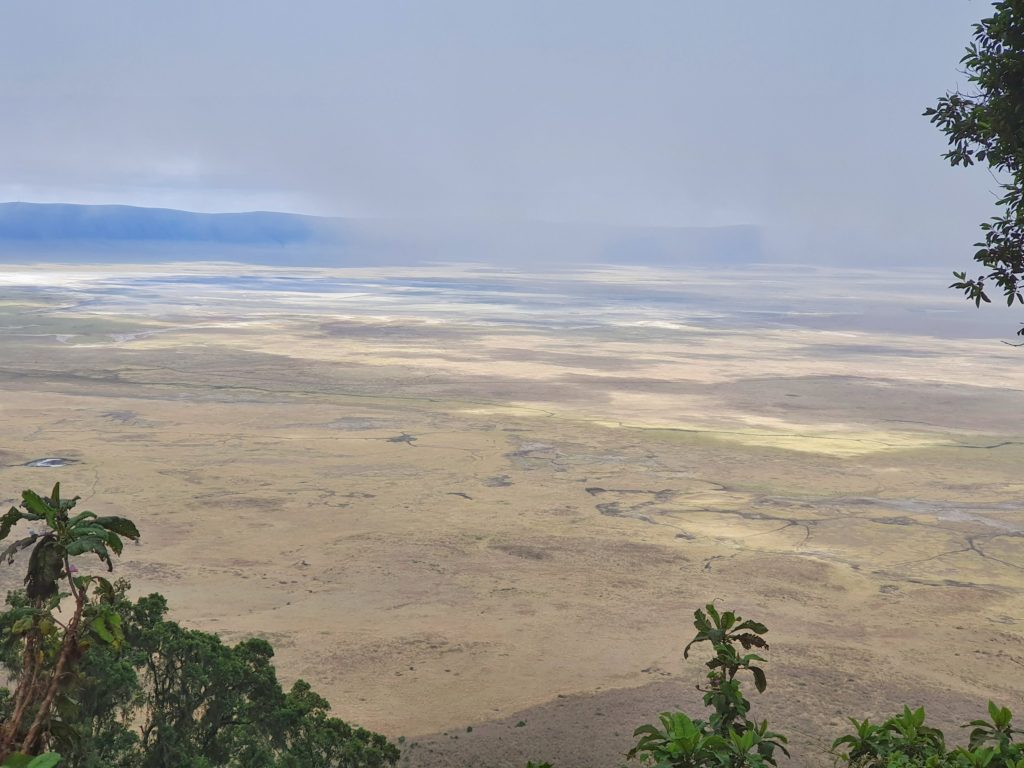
[[99, 626], [20, 760], [648, 729], [686, 650], [49, 760], [115, 542], [119, 525], [753, 626], [85, 544], [8, 521], [81, 516], [34, 504], [89, 529], [759, 679], [91, 544], [105, 590]]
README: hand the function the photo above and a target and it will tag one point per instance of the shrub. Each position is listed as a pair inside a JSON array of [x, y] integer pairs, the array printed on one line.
[[728, 737]]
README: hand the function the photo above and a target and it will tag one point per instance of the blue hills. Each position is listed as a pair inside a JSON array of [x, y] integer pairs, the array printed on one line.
[[42, 222], [61, 232]]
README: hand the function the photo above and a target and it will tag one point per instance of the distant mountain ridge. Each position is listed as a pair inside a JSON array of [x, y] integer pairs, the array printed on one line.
[[52, 232], [65, 221]]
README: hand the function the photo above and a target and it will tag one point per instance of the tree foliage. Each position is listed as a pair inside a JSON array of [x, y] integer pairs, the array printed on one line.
[[986, 125], [172, 696], [44, 651], [905, 741], [119, 685]]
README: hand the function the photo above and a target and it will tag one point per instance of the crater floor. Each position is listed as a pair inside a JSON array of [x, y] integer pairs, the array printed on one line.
[[456, 498]]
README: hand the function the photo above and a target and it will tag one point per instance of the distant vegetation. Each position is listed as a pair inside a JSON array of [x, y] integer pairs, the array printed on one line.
[[986, 125]]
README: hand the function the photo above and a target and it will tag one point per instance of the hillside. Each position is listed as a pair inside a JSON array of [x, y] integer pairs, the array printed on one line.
[[60, 222], [65, 232]]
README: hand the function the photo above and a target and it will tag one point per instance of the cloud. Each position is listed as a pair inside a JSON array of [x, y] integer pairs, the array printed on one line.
[[801, 117]]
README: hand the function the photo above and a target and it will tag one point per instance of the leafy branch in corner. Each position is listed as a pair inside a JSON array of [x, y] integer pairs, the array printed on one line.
[[986, 125], [49, 647]]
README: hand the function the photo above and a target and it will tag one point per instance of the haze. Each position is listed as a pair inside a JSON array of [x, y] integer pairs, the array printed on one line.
[[802, 118]]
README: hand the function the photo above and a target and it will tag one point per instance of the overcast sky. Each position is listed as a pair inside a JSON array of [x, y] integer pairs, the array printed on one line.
[[801, 116]]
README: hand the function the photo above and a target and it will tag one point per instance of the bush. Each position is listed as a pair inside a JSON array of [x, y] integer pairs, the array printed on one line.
[[905, 740]]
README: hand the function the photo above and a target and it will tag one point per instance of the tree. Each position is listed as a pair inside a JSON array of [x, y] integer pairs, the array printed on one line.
[[171, 697], [118, 685], [986, 125], [43, 651]]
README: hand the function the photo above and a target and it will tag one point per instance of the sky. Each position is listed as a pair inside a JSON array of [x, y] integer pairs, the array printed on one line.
[[802, 117]]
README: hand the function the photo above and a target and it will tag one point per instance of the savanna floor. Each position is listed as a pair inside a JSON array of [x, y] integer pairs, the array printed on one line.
[[477, 511]]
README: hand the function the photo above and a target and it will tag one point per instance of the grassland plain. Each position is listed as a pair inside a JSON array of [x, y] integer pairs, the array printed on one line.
[[455, 497]]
